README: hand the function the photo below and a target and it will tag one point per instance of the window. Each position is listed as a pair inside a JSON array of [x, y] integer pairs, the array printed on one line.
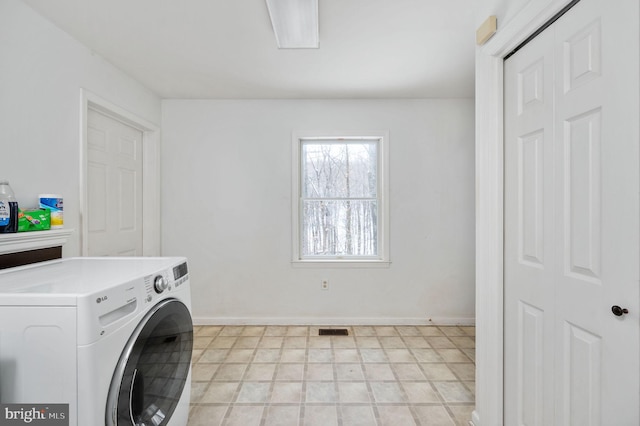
[[340, 210]]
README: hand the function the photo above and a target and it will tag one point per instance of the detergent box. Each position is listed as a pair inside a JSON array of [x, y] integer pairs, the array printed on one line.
[[34, 220]]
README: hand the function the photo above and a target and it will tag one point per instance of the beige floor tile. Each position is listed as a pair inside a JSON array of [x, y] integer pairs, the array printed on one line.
[[209, 330], [364, 331], [434, 415], [223, 342], [420, 393], [231, 330], [293, 355], [387, 392], [396, 416], [286, 393], [392, 342], [201, 342], [430, 331], [408, 331], [416, 342], [319, 372], [282, 416], [275, 330], [320, 415], [463, 342], [207, 415], [203, 372], [386, 331], [427, 355], [464, 371], [290, 372], [343, 342], [440, 342], [368, 342], [239, 355], [350, 393], [471, 353], [230, 372], [197, 390], [438, 371], [253, 392], [346, 355], [246, 342], [469, 331], [295, 342], [319, 342], [349, 372], [267, 355], [214, 355], [253, 331], [454, 392], [320, 392], [320, 355], [244, 416], [453, 331], [409, 371], [453, 355], [357, 416], [196, 354], [271, 342], [373, 355], [400, 355], [297, 331], [378, 372], [257, 372], [219, 392]]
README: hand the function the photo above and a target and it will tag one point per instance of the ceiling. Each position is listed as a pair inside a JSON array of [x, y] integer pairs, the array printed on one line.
[[226, 49]]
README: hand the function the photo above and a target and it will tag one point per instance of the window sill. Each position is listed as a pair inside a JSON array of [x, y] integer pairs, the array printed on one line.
[[332, 263]]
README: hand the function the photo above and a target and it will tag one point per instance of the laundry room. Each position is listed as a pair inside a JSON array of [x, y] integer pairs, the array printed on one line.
[[351, 183], [218, 179]]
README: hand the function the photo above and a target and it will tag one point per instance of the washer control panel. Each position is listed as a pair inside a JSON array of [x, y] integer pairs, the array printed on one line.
[[165, 281]]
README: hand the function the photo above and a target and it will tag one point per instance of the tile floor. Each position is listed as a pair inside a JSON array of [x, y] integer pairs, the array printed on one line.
[[271, 375]]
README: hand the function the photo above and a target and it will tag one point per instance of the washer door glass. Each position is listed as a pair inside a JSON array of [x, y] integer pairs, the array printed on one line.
[[153, 368]]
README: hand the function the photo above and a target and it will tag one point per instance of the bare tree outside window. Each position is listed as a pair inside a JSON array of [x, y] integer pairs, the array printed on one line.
[[339, 198]]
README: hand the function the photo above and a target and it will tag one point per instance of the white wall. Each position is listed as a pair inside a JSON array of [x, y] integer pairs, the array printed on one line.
[[227, 207], [42, 70]]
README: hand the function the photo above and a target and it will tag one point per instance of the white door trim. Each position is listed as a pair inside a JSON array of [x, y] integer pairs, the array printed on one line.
[[150, 169], [489, 204]]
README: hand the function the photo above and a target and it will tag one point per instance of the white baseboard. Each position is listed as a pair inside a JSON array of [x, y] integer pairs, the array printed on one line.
[[331, 321]]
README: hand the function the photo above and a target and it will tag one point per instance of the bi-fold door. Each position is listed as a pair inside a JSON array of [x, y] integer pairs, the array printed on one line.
[[572, 214]]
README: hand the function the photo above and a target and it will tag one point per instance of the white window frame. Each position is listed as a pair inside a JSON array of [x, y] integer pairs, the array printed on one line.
[[382, 259]]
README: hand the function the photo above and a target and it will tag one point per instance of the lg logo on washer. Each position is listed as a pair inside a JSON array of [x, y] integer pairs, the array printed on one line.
[[40, 415], [101, 299]]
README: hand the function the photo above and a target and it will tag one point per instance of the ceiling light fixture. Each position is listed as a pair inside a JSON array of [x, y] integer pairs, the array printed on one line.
[[295, 23]]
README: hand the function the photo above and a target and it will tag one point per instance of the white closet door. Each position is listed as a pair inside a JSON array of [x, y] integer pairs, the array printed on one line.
[[114, 173], [572, 210]]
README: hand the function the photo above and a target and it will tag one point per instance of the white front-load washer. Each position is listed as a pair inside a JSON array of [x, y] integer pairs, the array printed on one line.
[[110, 337]]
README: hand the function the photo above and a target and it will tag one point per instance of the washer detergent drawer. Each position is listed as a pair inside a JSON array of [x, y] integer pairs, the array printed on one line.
[[38, 356]]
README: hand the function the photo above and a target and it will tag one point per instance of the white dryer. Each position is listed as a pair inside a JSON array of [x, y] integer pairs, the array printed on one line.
[[111, 337]]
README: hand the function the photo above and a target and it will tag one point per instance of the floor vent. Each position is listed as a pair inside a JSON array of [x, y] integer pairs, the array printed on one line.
[[333, 332]]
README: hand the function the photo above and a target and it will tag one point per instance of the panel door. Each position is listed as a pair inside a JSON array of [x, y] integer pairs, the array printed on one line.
[[114, 187], [571, 221]]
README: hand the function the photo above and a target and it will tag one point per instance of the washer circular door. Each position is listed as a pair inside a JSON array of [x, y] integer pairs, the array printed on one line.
[[153, 368]]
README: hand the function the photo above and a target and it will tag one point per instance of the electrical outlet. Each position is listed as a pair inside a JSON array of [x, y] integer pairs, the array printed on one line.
[[324, 285]]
